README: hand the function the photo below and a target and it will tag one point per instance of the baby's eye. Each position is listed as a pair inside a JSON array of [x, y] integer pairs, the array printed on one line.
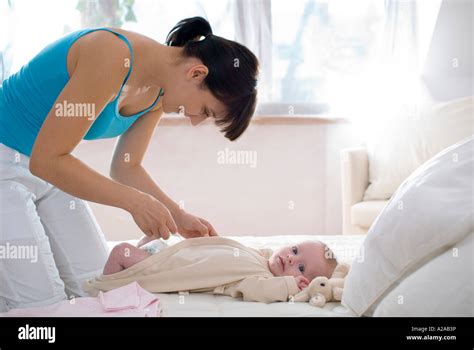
[[301, 268], [295, 250]]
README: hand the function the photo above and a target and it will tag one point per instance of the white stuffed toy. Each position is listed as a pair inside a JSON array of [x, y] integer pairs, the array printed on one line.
[[322, 289]]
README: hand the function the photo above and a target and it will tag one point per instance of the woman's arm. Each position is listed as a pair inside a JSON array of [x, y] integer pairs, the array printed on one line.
[[126, 168], [95, 81], [128, 155]]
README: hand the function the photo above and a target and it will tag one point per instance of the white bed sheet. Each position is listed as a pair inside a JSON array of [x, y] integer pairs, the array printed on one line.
[[346, 248]]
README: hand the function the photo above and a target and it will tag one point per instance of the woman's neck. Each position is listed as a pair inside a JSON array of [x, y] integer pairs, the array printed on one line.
[[160, 64]]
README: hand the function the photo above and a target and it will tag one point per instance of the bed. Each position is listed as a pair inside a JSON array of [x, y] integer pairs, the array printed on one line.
[[415, 257], [347, 248]]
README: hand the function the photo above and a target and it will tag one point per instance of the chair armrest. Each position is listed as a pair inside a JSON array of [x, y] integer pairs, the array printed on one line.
[[355, 179]]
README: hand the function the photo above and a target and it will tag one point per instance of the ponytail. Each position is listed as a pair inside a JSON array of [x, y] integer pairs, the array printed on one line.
[[188, 29]]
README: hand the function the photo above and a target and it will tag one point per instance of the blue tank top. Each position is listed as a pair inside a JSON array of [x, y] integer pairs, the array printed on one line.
[[27, 96]]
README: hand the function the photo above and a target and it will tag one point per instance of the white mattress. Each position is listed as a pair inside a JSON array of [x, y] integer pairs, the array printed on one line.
[[346, 248]]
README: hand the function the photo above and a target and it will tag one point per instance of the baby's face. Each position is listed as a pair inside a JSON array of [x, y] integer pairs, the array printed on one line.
[[306, 259]]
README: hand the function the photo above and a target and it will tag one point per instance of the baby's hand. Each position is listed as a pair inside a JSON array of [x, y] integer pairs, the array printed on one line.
[[302, 282]]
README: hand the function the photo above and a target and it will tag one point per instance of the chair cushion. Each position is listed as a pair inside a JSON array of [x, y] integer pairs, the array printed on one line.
[[363, 214]]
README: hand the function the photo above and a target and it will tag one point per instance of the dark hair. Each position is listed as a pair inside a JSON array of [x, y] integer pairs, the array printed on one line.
[[233, 71]]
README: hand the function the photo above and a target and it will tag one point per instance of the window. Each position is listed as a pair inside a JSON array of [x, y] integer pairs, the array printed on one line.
[[316, 43], [309, 50]]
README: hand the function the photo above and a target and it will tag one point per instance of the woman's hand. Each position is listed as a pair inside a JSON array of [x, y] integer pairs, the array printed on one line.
[[190, 226], [153, 218]]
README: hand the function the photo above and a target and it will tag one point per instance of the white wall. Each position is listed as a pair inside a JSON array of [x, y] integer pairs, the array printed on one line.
[[294, 189]]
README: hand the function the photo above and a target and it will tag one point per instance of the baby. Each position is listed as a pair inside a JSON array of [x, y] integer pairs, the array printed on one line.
[[219, 265]]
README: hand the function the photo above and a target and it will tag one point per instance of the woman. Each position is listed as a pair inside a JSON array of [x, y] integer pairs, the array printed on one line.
[[92, 84]]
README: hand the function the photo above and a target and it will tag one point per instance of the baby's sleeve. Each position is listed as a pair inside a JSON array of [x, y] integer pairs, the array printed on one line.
[[265, 289]]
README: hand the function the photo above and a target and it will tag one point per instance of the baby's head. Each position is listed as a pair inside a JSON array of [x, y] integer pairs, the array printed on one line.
[[309, 259]]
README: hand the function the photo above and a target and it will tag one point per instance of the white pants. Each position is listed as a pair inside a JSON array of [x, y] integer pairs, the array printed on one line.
[[49, 240]]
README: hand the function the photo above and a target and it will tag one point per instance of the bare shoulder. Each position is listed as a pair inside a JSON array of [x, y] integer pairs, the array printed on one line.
[[100, 51]]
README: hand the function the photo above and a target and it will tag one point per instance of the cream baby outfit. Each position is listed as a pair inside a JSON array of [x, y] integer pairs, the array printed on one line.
[[215, 265]]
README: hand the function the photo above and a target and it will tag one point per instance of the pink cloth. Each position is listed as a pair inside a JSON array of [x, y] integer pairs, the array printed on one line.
[[127, 301]]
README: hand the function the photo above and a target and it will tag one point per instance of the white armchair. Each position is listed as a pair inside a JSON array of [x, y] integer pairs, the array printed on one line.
[[357, 215], [439, 125]]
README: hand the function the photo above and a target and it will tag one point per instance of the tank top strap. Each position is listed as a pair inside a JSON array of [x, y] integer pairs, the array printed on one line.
[[131, 57]]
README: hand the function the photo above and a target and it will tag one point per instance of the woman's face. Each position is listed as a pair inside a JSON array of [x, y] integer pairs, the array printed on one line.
[[187, 97]]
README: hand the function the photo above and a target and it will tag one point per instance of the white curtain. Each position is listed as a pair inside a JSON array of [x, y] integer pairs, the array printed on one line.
[[408, 30], [6, 35], [392, 85], [253, 28], [399, 45]]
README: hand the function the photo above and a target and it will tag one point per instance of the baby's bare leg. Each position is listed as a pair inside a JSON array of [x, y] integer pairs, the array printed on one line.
[[122, 257]]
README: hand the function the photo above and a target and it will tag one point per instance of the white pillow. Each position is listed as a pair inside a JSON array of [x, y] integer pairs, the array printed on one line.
[[400, 144], [432, 210], [441, 288]]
